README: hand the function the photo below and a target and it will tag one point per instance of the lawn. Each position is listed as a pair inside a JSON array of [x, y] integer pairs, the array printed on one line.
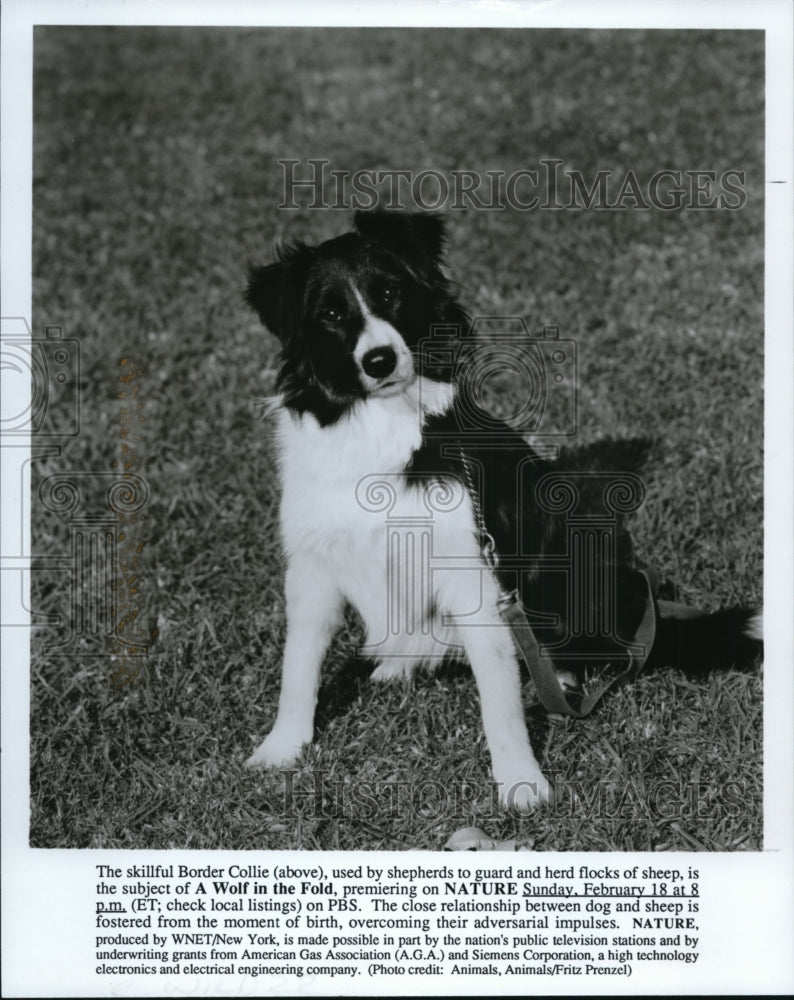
[[155, 182]]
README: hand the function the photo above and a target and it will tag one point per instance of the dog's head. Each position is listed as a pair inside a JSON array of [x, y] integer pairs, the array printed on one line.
[[353, 313]]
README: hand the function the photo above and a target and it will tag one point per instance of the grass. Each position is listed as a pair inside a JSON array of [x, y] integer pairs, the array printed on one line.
[[155, 180]]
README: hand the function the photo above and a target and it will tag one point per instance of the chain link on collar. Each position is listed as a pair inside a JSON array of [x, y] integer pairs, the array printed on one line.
[[487, 543]]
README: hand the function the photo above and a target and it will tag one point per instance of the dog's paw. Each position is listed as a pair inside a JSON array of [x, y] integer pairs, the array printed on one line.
[[393, 670], [527, 793], [276, 750]]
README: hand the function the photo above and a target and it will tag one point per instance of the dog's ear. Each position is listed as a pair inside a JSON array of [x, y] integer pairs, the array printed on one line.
[[407, 233], [275, 291]]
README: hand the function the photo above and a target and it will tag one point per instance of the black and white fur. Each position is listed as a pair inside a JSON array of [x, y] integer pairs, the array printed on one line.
[[361, 400]]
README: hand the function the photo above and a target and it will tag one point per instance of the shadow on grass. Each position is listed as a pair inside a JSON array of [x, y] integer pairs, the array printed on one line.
[[342, 690]]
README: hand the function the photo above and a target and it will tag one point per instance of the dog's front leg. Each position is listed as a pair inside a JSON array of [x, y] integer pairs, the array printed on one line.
[[490, 650], [313, 606]]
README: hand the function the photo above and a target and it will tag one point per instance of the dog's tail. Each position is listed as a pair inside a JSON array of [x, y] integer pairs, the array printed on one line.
[[699, 642]]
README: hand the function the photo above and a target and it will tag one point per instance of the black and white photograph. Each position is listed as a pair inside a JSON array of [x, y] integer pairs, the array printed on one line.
[[425, 221], [388, 472]]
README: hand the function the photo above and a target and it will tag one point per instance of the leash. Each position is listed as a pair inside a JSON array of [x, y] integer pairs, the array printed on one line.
[[538, 662]]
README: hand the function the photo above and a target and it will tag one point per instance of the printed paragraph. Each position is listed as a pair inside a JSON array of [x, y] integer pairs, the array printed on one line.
[[393, 921]]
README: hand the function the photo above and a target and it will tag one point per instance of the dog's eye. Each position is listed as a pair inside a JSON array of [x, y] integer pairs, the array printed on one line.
[[330, 314], [388, 293]]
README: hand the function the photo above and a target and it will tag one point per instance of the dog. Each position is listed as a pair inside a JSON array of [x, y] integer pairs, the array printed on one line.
[[370, 427]]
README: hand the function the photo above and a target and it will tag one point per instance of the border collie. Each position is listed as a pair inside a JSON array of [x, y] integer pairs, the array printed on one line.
[[384, 502]]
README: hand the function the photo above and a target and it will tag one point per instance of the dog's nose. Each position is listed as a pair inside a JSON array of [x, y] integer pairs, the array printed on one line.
[[379, 362]]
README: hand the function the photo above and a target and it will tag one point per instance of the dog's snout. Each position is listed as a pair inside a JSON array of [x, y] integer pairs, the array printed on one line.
[[379, 362]]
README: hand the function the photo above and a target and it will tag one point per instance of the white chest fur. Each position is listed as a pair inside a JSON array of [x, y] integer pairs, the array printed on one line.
[[323, 468], [401, 553]]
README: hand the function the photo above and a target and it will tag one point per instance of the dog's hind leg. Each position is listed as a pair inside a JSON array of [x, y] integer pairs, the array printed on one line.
[[313, 610]]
